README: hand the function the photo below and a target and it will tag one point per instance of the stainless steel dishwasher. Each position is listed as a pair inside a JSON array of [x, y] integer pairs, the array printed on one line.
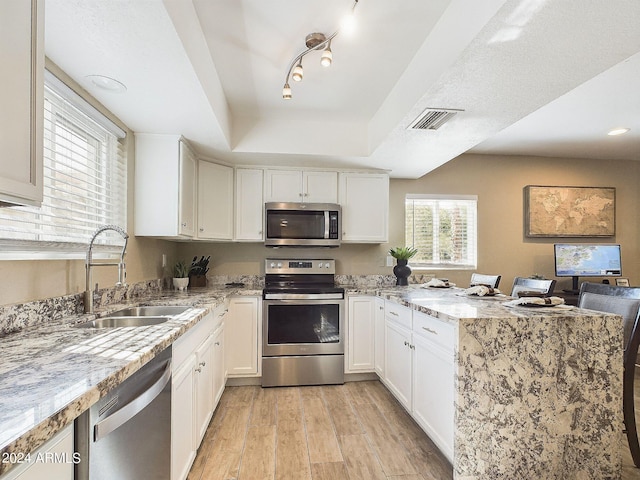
[[126, 435]]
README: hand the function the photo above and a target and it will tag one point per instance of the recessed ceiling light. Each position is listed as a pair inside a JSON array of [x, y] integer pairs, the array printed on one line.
[[617, 131], [107, 84]]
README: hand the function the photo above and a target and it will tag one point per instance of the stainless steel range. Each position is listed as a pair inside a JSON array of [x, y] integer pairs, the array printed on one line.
[[303, 324]]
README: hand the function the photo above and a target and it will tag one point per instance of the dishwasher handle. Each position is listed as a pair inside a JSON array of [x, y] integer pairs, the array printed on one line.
[[128, 411]]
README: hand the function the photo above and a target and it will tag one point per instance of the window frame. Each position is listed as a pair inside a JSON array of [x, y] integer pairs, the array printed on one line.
[[472, 242], [78, 115]]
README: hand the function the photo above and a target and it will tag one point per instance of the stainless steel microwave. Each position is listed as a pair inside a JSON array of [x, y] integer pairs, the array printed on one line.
[[289, 224]]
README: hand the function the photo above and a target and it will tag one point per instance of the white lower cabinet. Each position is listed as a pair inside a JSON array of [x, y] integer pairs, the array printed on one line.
[[379, 335], [360, 354], [419, 370], [219, 372], [183, 449], [204, 387], [242, 336], [398, 362], [53, 460], [198, 381]]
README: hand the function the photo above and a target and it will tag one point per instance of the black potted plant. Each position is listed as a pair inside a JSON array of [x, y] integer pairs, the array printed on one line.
[[402, 270]]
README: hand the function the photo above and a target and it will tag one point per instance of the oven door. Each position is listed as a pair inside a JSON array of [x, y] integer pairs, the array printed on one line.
[[302, 327]]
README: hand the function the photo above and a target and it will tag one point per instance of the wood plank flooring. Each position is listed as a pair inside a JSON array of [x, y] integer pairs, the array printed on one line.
[[355, 431]]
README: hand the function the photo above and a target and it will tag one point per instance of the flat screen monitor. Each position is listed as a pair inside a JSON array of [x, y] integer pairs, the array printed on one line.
[[589, 260]]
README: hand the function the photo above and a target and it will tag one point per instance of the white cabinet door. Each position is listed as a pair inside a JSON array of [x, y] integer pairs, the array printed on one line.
[[241, 337], [301, 186], [215, 201], [219, 368], [320, 187], [165, 187], [283, 186], [187, 192], [59, 447], [249, 205], [183, 449], [21, 97], [364, 198], [360, 334], [433, 392], [203, 388], [379, 336], [398, 362]]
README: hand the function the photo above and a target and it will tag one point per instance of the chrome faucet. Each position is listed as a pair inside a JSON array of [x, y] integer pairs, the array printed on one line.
[[88, 293]]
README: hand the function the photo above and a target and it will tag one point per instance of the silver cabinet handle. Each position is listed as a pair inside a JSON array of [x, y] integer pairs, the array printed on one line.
[[202, 364], [126, 412], [391, 312], [430, 331], [217, 343], [199, 369], [201, 229]]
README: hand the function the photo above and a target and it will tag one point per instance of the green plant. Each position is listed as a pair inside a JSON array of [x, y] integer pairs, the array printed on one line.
[[403, 253], [180, 269]]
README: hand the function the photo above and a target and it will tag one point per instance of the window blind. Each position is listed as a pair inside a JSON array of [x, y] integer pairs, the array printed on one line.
[[84, 184], [443, 229]]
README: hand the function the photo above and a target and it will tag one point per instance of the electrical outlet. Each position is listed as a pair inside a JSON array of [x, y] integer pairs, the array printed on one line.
[[389, 261], [164, 260]]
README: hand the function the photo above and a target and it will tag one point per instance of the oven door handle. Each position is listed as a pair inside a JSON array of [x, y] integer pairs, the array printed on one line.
[[135, 406], [303, 296]]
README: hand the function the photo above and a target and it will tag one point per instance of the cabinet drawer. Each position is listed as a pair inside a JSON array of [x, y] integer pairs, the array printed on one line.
[[187, 343], [219, 312], [435, 330], [398, 313]]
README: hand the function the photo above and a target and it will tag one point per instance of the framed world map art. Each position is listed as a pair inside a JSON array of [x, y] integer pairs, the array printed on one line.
[[569, 211]]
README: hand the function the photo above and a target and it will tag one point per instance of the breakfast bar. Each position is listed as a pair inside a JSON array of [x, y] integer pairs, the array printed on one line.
[[538, 391]]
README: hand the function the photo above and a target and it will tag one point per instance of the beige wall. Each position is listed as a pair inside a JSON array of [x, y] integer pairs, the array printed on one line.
[[498, 182], [25, 280]]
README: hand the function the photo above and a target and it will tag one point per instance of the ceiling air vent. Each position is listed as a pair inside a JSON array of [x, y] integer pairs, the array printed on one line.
[[433, 119]]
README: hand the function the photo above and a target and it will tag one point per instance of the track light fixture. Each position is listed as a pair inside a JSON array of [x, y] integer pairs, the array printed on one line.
[[313, 41]]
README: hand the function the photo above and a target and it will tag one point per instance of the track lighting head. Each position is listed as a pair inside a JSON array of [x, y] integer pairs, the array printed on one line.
[[327, 56], [286, 92], [298, 73]]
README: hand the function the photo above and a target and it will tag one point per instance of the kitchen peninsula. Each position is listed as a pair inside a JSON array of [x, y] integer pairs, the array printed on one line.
[[537, 391]]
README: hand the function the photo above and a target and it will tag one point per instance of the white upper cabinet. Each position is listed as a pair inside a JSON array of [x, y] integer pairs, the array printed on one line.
[[364, 198], [215, 201], [165, 187], [21, 97], [249, 205], [301, 186]]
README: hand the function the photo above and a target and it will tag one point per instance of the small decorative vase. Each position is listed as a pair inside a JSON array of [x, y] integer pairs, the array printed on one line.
[[402, 272], [180, 284]]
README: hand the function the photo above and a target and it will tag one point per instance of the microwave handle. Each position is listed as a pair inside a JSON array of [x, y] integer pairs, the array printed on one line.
[[326, 224]]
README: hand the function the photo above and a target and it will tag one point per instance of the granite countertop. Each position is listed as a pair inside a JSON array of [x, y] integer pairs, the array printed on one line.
[[452, 305], [51, 373]]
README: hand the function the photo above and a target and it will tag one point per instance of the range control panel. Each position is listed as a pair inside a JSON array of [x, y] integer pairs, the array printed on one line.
[[294, 266]]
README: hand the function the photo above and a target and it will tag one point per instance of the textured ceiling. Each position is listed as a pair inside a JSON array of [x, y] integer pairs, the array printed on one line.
[[534, 77]]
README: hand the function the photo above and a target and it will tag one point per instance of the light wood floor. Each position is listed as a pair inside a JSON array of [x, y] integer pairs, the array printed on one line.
[[355, 431]]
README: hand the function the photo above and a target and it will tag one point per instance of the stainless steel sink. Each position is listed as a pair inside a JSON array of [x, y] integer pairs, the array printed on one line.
[[135, 317], [149, 311], [130, 321]]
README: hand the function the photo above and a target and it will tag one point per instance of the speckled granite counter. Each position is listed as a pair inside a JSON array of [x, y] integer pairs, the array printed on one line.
[[538, 390], [51, 372]]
